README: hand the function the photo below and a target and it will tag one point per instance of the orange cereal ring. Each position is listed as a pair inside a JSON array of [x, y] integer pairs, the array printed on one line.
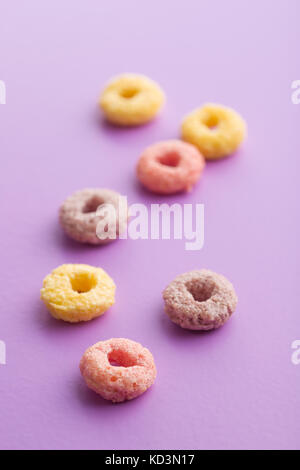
[[130, 100], [170, 167], [78, 292], [215, 130], [118, 369]]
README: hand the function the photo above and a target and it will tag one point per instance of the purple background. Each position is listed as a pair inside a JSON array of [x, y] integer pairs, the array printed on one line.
[[232, 388]]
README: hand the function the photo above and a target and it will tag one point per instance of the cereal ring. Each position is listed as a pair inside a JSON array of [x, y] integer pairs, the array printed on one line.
[[118, 369], [217, 131], [78, 292], [79, 218], [200, 300], [130, 100], [169, 167]]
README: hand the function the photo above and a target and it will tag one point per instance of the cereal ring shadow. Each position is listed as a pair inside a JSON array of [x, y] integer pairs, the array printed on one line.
[[237, 154], [182, 333], [91, 399], [88, 397], [177, 198], [72, 246], [49, 323], [110, 127]]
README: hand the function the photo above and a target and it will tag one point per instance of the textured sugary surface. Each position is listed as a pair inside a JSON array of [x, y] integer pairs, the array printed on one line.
[[118, 369], [78, 217], [216, 130], [169, 167], [78, 292], [200, 300], [233, 387], [130, 100]]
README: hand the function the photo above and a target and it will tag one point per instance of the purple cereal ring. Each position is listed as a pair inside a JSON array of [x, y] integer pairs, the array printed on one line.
[[170, 167], [200, 300], [118, 369], [79, 218]]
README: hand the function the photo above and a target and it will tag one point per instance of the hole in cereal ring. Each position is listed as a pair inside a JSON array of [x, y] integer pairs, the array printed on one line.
[[83, 282], [121, 358], [200, 290], [169, 159], [211, 121], [92, 205], [129, 92]]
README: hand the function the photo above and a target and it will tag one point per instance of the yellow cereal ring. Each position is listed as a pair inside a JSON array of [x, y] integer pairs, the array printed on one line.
[[130, 100], [78, 292], [215, 130]]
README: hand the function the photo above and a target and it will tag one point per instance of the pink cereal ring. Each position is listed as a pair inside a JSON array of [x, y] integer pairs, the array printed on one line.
[[169, 167], [118, 369], [79, 218], [200, 300]]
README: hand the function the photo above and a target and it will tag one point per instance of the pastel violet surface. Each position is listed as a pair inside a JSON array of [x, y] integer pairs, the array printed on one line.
[[234, 387]]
